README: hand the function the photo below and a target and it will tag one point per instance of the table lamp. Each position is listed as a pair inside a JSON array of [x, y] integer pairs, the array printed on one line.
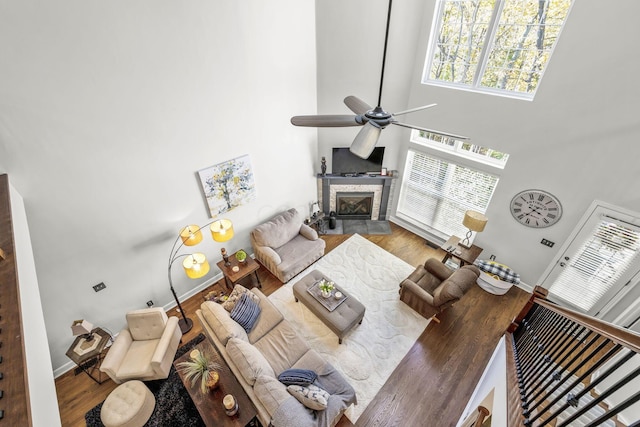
[[474, 221], [82, 327]]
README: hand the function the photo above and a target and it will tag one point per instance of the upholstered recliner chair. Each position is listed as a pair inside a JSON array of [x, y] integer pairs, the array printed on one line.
[[145, 349], [285, 245], [434, 287]]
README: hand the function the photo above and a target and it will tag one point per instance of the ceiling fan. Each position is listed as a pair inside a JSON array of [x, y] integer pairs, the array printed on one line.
[[372, 120]]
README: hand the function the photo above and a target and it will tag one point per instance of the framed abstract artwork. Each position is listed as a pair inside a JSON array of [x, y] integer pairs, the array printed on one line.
[[228, 185]]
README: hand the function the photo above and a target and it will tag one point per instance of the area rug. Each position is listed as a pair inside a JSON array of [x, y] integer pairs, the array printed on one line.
[[174, 407], [372, 350]]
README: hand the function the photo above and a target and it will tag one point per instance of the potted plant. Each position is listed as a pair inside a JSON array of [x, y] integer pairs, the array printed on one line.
[[201, 368], [241, 255], [326, 287]]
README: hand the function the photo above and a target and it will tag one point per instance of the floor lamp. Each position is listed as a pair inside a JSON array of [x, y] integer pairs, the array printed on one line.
[[195, 264]]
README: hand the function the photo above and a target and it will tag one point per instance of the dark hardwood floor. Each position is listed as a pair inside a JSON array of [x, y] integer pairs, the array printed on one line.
[[432, 384]]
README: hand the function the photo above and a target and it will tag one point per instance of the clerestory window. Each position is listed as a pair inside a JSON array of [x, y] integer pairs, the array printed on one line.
[[494, 46]]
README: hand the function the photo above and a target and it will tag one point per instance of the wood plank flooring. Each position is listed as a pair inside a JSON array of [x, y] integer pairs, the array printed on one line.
[[429, 388]]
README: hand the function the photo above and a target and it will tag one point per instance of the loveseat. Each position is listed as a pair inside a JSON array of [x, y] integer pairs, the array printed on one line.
[[285, 245], [271, 347]]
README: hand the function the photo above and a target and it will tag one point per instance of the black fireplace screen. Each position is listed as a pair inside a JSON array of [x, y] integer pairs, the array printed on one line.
[[354, 205]]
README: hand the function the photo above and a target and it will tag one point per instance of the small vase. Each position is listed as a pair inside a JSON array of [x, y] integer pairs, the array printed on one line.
[[326, 294], [212, 382]]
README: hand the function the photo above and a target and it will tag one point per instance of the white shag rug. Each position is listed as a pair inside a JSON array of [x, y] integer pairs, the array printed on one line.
[[372, 350]]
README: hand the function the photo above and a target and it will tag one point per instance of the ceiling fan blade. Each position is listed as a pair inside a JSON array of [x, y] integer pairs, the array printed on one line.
[[366, 140], [438, 132], [357, 105], [329, 120], [424, 107]]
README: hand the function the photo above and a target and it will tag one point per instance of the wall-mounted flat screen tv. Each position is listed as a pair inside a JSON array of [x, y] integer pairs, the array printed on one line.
[[345, 162]]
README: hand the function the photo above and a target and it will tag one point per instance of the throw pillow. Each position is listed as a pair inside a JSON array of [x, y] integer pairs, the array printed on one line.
[[250, 362], [223, 326], [297, 377], [311, 396], [245, 312], [238, 290]]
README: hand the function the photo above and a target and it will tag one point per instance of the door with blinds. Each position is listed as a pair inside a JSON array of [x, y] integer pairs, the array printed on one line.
[[599, 260]]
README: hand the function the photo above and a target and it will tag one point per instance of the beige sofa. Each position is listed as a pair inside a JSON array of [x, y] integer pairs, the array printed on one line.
[[257, 358], [285, 245]]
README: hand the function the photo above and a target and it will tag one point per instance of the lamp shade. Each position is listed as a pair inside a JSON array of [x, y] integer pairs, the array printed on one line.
[[474, 221], [222, 230], [81, 327], [191, 235], [196, 265]]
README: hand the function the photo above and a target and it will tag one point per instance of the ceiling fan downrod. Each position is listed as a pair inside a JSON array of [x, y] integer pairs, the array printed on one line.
[[384, 53]]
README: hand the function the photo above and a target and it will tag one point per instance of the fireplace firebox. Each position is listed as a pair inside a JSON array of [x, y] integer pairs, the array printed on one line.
[[354, 205]]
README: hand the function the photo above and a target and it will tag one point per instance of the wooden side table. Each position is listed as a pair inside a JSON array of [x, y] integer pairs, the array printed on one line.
[[89, 354], [209, 405], [244, 269], [317, 222], [464, 255]]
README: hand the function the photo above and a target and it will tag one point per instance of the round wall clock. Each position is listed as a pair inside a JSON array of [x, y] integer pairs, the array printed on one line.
[[536, 208]]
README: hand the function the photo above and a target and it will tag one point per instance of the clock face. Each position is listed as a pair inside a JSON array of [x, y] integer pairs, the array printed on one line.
[[536, 208]]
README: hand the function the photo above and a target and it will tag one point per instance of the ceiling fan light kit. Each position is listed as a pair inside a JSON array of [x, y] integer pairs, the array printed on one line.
[[372, 119]]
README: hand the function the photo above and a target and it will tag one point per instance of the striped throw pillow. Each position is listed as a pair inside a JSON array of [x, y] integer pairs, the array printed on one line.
[[245, 312]]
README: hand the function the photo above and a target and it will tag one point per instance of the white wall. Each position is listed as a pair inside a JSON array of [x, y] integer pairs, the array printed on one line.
[[107, 112], [577, 139], [42, 391]]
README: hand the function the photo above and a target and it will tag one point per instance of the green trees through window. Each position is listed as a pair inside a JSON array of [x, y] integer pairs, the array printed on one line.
[[498, 46]]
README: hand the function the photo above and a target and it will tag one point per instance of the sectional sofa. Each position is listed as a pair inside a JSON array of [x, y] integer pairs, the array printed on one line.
[[258, 357]]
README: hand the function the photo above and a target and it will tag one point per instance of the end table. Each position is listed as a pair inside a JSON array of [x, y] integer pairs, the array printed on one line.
[[245, 268], [317, 222], [464, 255], [89, 354]]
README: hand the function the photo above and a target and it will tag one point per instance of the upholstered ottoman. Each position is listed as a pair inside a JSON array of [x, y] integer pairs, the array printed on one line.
[[128, 405], [342, 319]]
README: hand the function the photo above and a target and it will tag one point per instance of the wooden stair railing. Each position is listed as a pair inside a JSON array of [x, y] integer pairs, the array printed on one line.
[[552, 354], [14, 393]]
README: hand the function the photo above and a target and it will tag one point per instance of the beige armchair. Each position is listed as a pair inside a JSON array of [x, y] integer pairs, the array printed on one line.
[[434, 287], [285, 245], [145, 349]]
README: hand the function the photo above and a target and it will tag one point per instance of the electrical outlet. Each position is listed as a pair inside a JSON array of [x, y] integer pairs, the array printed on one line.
[[100, 286], [547, 242], [149, 303]]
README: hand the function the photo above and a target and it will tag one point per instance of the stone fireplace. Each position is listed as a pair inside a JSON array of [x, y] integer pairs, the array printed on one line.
[[359, 197]]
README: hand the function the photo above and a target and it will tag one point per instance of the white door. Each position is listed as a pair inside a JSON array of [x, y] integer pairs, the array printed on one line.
[[598, 260]]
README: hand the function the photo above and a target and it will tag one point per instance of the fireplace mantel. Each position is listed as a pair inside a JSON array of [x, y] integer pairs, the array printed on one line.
[[383, 181]]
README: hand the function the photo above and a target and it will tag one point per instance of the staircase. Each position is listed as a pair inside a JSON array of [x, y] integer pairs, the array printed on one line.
[[569, 369]]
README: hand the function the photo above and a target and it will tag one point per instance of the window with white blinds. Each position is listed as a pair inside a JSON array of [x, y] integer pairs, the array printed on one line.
[[436, 193], [598, 264]]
